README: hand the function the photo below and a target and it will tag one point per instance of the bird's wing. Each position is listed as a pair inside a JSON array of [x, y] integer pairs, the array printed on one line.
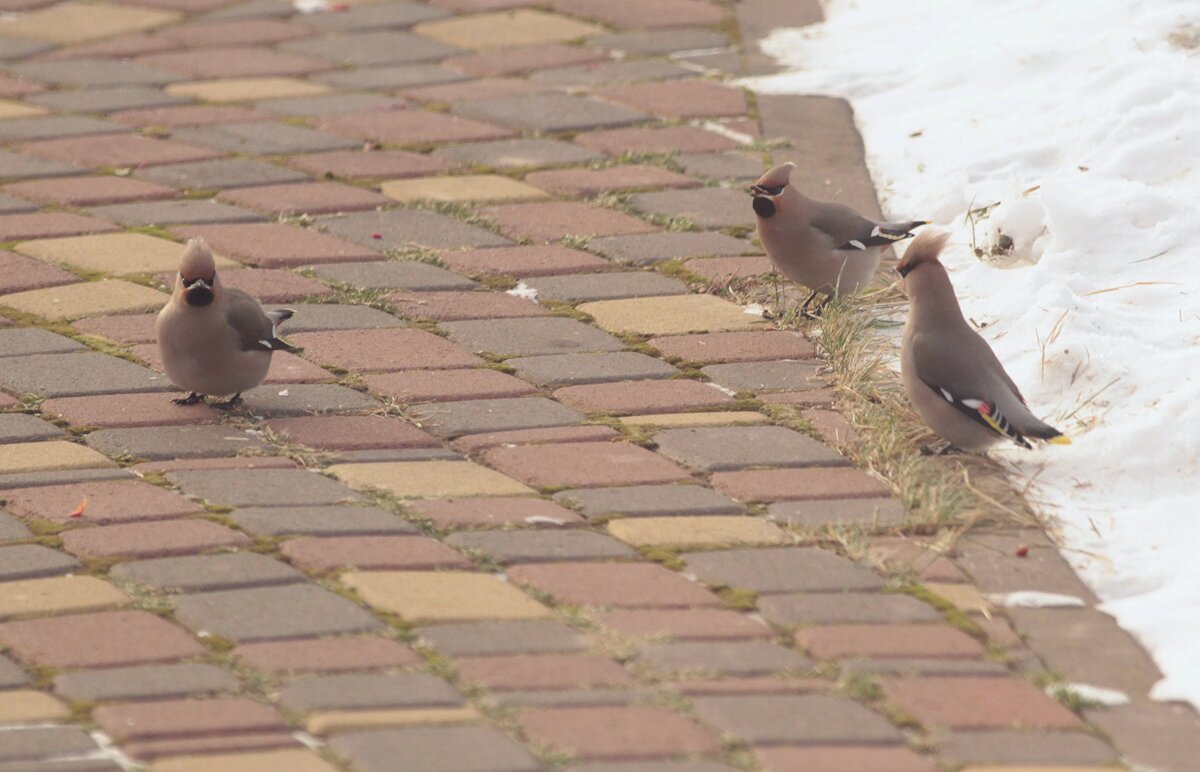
[[847, 229], [255, 328]]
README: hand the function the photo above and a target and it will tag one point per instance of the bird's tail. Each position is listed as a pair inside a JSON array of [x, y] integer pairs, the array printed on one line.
[[1049, 434]]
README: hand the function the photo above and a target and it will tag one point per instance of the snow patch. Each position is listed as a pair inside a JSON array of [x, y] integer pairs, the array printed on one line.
[[1033, 599], [523, 290]]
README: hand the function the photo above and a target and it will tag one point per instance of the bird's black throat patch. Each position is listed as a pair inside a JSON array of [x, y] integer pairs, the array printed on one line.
[[764, 207], [198, 296]]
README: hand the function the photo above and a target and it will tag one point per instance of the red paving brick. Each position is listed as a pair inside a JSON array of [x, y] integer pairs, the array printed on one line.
[[672, 139], [539, 260], [89, 191], [978, 703], [411, 127], [128, 410], [108, 639], [584, 464], [108, 501], [41, 225], [358, 164], [172, 718], [679, 99], [328, 655], [551, 221], [735, 346], [352, 432], [818, 758], [634, 397], [541, 672], [457, 306], [382, 350], [303, 198], [276, 245], [798, 484], [685, 624], [185, 116], [888, 642], [117, 150], [611, 733], [143, 540], [447, 385]]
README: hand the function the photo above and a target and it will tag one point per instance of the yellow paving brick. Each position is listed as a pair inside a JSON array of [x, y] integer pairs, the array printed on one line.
[[965, 596], [430, 479], [12, 109], [672, 315], [694, 420], [507, 28], [93, 298], [288, 760], [49, 456], [27, 707], [246, 89], [58, 595], [422, 596], [79, 22], [467, 187], [114, 253], [342, 720], [696, 531]]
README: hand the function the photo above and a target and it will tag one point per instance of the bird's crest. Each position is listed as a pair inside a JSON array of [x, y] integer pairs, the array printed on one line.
[[925, 248]]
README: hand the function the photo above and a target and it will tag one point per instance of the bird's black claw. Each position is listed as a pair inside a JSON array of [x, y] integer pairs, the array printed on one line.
[[945, 450], [190, 399], [234, 401]]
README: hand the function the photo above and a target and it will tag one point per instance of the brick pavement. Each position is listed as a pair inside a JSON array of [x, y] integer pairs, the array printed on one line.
[[467, 531]]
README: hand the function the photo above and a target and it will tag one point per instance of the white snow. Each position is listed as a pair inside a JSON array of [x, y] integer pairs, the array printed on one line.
[[1109, 698], [1035, 599], [1072, 128]]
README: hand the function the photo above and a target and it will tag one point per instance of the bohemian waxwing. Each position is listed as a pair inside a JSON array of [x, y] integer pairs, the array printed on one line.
[[949, 371], [213, 340], [829, 248]]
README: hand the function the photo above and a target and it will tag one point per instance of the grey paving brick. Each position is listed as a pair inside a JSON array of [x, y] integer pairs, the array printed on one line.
[[517, 153], [395, 15], [22, 341], [656, 766], [393, 274], [732, 165], [341, 520], [106, 100], [199, 573], [358, 691], [263, 613], [11, 675], [550, 112], [28, 561], [821, 608], [434, 749], [145, 682], [54, 127], [629, 71], [577, 698], [296, 399], [374, 47], [14, 166], [316, 317], [1025, 748], [220, 173], [539, 546], [648, 248], [781, 569], [13, 205], [503, 638], [14, 48], [185, 212], [70, 375], [11, 528], [1158, 735], [605, 286], [737, 447], [765, 376], [567, 369], [775, 719], [530, 336], [327, 104], [924, 667], [649, 501], [262, 487], [96, 72], [61, 477], [739, 658], [814, 514], [158, 443], [21, 427], [991, 560], [479, 416], [403, 228], [707, 207], [43, 742], [389, 78], [662, 41], [263, 138]]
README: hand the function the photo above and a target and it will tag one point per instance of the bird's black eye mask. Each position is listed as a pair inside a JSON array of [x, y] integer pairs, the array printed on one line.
[[904, 270], [188, 283], [764, 206]]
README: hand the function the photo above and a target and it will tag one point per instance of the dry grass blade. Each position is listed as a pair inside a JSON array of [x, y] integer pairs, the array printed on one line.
[[1127, 286]]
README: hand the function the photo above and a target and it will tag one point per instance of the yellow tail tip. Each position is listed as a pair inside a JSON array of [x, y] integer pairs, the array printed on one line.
[[1061, 439]]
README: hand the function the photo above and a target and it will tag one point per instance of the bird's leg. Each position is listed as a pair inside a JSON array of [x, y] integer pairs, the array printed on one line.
[[808, 301], [945, 450], [233, 402], [190, 399]]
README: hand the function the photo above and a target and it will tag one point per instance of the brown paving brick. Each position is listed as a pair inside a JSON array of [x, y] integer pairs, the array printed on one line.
[[474, 443], [381, 350], [352, 432], [541, 671], [830, 758], [117, 150], [685, 624], [326, 655], [679, 99], [304, 198], [520, 61], [978, 703], [484, 88], [798, 484], [622, 585], [183, 116], [150, 539], [106, 639], [272, 285], [643, 15], [584, 464], [592, 182], [411, 127], [168, 718], [735, 346], [641, 397], [360, 164], [672, 139], [370, 552], [89, 191], [728, 268], [448, 385], [274, 245], [18, 227], [738, 447], [893, 641], [456, 306], [523, 261], [109, 501], [553, 220], [493, 512], [19, 273], [632, 732]]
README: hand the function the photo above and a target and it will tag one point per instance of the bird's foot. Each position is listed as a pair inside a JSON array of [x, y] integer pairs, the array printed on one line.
[[944, 450], [190, 399], [234, 401], [809, 310]]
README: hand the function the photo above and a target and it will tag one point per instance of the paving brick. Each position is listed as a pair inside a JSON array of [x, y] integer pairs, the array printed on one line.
[[306, 399], [180, 116], [520, 27], [664, 41], [540, 546], [991, 560], [649, 248], [411, 127], [326, 655], [372, 47], [443, 596], [388, 15], [291, 759], [677, 532], [669, 315], [814, 514], [492, 415], [672, 139], [158, 747], [550, 113], [165, 718], [617, 71], [633, 397], [447, 386], [436, 749], [531, 336], [632, 732], [222, 571], [838, 759], [351, 432], [113, 253], [568, 369], [720, 449], [592, 182], [685, 624], [553, 220], [463, 89], [367, 691], [318, 317], [89, 191], [606, 286], [800, 719], [888, 641], [11, 675], [391, 349], [65, 24], [681, 99], [371, 552], [429, 479], [361, 164], [837, 608], [17, 166], [30, 707], [656, 766], [237, 63], [523, 60], [650, 501], [726, 269], [1027, 749], [404, 229], [319, 520], [765, 376], [735, 165], [11, 529], [740, 658], [185, 212], [116, 150], [144, 682], [273, 612], [20, 427], [621, 585], [102, 100], [150, 539], [48, 456], [516, 153], [262, 487], [304, 198], [17, 227], [915, 555], [18, 273], [107, 639], [696, 420], [263, 138], [474, 443], [493, 512], [407, 275], [220, 173], [458, 306], [59, 594], [790, 569], [33, 743], [584, 464], [167, 442], [978, 703], [29, 561], [798, 484], [473, 187], [542, 672], [736, 346], [627, 13]]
